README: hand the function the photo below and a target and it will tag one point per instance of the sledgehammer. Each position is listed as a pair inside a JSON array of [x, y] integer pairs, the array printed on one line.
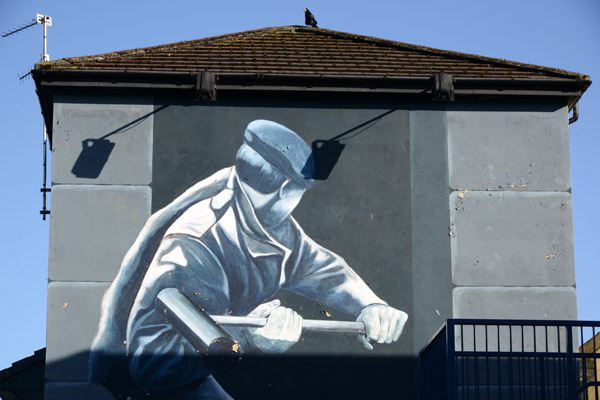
[[205, 333]]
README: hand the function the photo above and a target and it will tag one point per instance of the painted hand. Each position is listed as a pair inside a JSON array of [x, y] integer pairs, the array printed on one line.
[[282, 331], [383, 323]]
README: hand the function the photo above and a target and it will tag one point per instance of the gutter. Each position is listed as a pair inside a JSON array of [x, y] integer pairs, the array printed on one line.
[[575, 116], [207, 85], [182, 80]]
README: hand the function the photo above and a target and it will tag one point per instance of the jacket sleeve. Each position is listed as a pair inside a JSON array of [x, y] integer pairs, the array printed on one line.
[[159, 357], [322, 275]]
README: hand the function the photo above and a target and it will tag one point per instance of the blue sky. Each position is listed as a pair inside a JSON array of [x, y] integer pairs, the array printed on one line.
[[561, 34]]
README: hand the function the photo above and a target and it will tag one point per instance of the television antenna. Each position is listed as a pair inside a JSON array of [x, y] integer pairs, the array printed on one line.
[[46, 21]]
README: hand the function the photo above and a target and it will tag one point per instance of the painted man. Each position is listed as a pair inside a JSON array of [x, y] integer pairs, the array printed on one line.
[[230, 244]]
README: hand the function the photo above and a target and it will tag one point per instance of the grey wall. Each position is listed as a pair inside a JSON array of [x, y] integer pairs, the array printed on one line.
[[460, 210], [432, 282], [510, 212], [492, 223], [101, 196]]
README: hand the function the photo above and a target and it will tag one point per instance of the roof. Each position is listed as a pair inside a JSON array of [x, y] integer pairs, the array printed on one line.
[[303, 62], [25, 374], [307, 50]]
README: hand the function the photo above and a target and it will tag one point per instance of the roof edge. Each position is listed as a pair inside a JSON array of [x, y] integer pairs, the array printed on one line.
[[117, 76], [22, 364], [205, 85]]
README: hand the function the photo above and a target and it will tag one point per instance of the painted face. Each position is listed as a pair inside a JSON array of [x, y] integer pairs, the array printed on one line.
[[273, 208]]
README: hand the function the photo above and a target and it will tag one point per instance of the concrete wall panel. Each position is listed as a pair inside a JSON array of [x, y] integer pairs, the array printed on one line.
[[515, 303], [509, 149], [92, 227], [73, 315], [512, 239], [102, 140]]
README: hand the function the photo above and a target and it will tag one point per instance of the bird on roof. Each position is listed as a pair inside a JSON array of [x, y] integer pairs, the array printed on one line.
[[309, 18]]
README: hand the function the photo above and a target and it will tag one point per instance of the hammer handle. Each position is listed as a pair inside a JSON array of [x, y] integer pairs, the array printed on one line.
[[307, 324]]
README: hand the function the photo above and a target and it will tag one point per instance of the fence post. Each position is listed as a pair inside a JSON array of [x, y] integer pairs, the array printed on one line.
[[570, 364], [450, 361]]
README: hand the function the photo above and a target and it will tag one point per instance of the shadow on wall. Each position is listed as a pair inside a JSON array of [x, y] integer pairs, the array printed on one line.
[[280, 377], [327, 152], [95, 152]]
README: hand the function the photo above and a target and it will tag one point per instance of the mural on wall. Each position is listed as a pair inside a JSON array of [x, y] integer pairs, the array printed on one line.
[[226, 247]]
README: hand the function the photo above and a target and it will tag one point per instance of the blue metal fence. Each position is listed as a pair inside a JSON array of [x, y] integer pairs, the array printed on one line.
[[512, 360]]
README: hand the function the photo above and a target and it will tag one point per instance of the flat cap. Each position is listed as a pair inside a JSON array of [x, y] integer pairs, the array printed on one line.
[[283, 149]]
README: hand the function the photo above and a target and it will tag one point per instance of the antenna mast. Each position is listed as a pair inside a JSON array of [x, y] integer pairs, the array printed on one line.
[[46, 21]]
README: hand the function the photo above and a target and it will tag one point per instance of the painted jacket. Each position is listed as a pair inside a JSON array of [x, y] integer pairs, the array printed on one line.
[[219, 255]]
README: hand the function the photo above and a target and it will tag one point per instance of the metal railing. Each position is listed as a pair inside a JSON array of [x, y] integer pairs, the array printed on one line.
[[511, 359]]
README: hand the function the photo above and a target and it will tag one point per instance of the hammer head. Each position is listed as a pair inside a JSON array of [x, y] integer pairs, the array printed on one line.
[[224, 352]]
